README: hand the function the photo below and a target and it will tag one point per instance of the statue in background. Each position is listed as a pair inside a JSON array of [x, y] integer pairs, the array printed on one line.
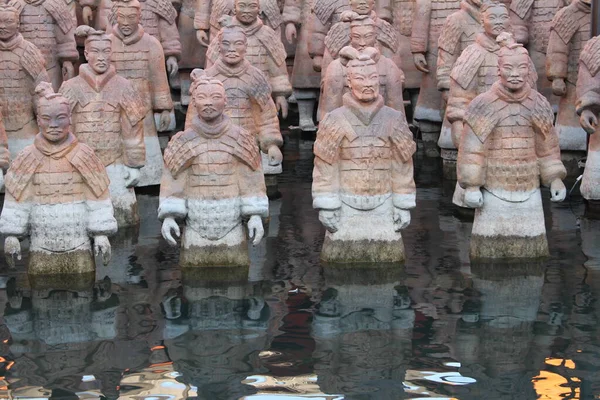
[[363, 35], [50, 26], [363, 181], [138, 57], [212, 179], [249, 102], [588, 107], [569, 31], [508, 146], [108, 114], [57, 195], [21, 70], [265, 50]]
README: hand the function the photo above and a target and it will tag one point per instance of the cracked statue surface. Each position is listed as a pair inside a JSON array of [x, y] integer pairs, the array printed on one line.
[[57, 195], [363, 181], [212, 179], [508, 147]]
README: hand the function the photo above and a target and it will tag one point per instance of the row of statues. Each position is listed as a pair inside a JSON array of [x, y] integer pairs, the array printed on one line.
[[76, 153]]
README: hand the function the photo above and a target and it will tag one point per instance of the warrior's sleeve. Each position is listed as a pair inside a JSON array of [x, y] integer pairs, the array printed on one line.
[[265, 114], [292, 11], [33, 62], [557, 53], [403, 148], [546, 142], [202, 15], [394, 87], [588, 79], [445, 62], [278, 79], [448, 53], [132, 128], [326, 180], [66, 48], [420, 26], [471, 160], [318, 30], [100, 218], [169, 38], [520, 27], [253, 197], [14, 220], [4, 153], [172, 202], [458, 100], [333, 88], [159, 84]]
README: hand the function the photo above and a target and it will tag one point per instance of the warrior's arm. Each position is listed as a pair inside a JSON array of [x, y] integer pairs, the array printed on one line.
[[251, 183], [101, 220], [4, 153], [588, 90], [133, 141], [279, 79], [265, 114], [14, 220], [459, 99], [333, 87], [403, 183], [292, 11], [326, 179], [520, 26], [159, 85], [394, 88], [420, 26], [172, 200], [316, 40], [557, 57], [202, 15], [169, 38], [66, 48], [445, 62], [547, 148], [471, 160]]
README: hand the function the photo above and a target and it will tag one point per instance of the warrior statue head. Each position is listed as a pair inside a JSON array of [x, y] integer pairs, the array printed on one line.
[[208, 95], [494, 18], [246, 11], [363, 32], [514, 64], [361, 73], [233, 42], [98, 48], [362, 7], [129, 15], [53, 114], [9, 22]]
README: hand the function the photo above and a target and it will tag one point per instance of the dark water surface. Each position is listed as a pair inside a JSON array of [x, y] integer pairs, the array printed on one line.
[[437, 327]]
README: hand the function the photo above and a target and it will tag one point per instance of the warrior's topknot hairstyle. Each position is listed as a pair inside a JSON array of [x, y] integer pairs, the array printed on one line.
[[90, 34], [46, 95], [350, 57], [509, 45], [200, 78]]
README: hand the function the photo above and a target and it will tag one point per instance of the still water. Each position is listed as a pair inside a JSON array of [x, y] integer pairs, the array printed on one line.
[[436, 327]]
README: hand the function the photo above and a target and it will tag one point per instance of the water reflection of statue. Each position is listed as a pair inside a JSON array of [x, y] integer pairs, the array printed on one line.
[[58, 326], [216, 339], [501, 351], [363, 332]]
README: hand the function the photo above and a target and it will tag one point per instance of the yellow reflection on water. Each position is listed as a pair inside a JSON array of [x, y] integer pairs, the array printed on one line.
[[551, 386]]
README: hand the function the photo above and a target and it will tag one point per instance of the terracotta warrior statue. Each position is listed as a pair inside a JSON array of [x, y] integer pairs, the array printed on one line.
[[459, 31], [428, 19], [362, 32], [158, 18], [363, 181], [265, 50], [335, 84], [508, 147], [21, 71], [57, 195], [588, 107], [101, 98], [569, 32], [249, 102], [49, 25], [212, 180], [138, 57]]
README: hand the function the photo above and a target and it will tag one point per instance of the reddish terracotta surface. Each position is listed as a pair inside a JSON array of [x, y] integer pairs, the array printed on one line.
[[363, 181], [569, 32], [588, 107], [138, 57], [212, 179], [507, 148], [49, 25], [21, 70], [57, 195], [249, 102], [100, 97]]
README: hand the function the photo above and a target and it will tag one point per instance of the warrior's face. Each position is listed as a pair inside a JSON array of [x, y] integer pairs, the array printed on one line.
[[363, 36], [54, 120], [513, 70], [98, 54], [246, 11], [210, 101], [495, 20], [364, 82], [233, 46], [362, 7], [128, 19], [9, 24]]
